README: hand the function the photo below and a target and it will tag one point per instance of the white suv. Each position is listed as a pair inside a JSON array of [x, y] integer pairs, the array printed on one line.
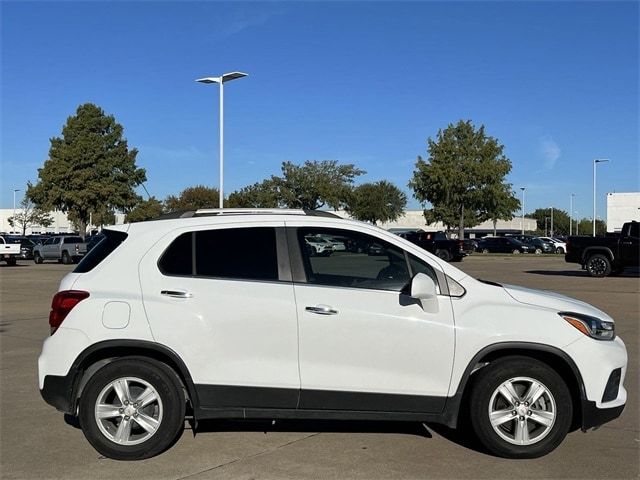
[[228, 315]]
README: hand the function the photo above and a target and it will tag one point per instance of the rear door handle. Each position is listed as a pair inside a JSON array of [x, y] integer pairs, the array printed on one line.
[[176, 293], [322, 310]]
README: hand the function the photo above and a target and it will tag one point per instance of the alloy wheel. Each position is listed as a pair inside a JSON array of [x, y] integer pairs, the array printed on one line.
[[128, 411], [522, 411]]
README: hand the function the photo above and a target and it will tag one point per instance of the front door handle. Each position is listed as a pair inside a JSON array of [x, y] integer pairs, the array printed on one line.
[[176, 293], [322, 310]]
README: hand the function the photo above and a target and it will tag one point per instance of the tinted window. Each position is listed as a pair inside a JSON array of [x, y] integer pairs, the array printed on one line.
[[634, 231], [112, 239], [56, 240], [73, 240], [242, 253], [178, 258], [356, 261]]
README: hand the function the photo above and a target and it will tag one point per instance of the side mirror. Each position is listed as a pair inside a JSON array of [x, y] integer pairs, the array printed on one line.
[[423, 288]]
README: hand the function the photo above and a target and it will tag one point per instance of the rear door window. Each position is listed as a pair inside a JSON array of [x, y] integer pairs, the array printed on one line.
[[233, 253]]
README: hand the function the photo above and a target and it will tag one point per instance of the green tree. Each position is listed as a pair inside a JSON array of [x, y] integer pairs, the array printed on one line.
[[585, 227], [499, 203], [193, 198], [463, 165], [29, 215], [90, 168], [145, 210], [560, 221], [315, 184], [259, 195], [376, 202]]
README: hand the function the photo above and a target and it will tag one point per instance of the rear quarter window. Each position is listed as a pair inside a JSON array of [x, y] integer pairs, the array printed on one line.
[[112, 240]]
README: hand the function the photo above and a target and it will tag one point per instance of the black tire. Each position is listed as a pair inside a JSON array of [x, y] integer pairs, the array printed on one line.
[[559, 250], [598, 265], [12, 261], [485, 250], [484, 394], [443, 255], [169, 389], [37, 258], [66, 258]]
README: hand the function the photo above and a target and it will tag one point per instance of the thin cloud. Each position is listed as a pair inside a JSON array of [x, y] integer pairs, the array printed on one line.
[[550, 152]]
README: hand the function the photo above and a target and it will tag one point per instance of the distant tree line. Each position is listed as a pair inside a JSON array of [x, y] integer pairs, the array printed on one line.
[[91, 173]]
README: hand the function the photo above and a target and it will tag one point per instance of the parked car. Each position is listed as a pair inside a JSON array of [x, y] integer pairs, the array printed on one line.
[[503, 245], [26, 246], [9, 252], [537, 245], [438, 244], [63, 248], [559, 245], [610, 255], [318, 246], [469, 245], [154, 321]]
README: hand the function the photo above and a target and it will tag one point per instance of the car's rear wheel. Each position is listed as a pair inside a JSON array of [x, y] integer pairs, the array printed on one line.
[[598, 265], [516, 251], [132, 409], [66, 258], [37, 258], [538, 251], [485, 250], [520, 408], [443, 254], [12, 261]]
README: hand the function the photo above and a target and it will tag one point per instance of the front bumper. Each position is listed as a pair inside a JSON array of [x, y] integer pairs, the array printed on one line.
[[593, 417]]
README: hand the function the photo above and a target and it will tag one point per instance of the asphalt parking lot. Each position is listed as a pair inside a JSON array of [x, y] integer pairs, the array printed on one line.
[[35, 441]]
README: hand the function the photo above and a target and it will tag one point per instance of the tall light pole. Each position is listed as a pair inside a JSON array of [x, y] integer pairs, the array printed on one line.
[[14, 205], [571, 214], [522, 188], [221, 80], [551, 232], [595, 162], [577, 222]]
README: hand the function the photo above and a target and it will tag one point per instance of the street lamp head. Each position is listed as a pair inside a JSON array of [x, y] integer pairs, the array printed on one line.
[[209, 80], [227, 77], [601, 160]]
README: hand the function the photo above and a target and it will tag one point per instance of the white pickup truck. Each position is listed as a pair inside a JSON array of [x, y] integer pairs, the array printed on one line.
[[9, 252]]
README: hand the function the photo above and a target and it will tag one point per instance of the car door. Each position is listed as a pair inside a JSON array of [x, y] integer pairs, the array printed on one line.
[[364, 343], [630, 246], [223, 300], [51, 248]]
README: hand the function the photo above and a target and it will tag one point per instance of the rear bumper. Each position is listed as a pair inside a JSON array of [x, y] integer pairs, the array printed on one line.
[[57, 391]]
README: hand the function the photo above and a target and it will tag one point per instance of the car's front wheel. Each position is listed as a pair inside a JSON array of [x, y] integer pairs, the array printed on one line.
[[132, 409], [520, 407], [559, 250]]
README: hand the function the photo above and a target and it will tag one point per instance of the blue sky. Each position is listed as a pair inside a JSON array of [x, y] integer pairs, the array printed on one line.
[[363, 82]]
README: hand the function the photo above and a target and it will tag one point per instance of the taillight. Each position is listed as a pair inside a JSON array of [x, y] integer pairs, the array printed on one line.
[[62, 303]]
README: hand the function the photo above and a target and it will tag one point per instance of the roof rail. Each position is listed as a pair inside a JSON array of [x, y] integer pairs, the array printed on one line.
[[203, 212], [247, 211]]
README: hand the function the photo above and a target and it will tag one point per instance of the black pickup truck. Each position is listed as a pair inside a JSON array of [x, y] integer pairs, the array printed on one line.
[[610, 255], [438, 244]]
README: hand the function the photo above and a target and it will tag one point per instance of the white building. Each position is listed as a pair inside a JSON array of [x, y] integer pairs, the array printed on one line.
[[414, 219], [61, 223], [621, 208]]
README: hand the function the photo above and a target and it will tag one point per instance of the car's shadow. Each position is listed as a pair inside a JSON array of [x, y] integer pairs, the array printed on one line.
[[628, 273], [4, 265]]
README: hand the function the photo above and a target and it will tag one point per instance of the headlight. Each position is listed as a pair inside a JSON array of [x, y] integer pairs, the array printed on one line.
[[591, 326]]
